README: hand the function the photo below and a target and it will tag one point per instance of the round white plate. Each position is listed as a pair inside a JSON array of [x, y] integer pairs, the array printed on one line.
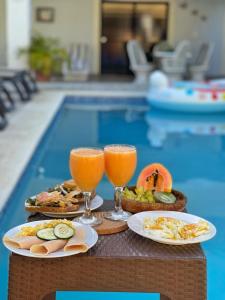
[[91, 238], [136, 222], [96, 202]]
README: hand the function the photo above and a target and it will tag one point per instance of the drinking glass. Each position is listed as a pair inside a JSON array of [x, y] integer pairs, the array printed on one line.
[[87, 169], [120, 165]]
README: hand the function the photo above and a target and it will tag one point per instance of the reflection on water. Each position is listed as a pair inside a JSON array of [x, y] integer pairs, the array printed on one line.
[[162, 124]]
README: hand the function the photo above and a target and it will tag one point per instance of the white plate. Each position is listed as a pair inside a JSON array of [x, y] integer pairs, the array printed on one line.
[[91, 238], [96, 202], [136, 222]]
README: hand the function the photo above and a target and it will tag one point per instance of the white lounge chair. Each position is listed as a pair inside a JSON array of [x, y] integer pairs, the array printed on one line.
[[201, 63], [138, 62], [175, 66], [78, 68]]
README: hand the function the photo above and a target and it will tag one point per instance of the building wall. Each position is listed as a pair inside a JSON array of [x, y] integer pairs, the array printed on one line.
[[2, 33], [18, 31], [185, 25], [75, 21], [79, 21]]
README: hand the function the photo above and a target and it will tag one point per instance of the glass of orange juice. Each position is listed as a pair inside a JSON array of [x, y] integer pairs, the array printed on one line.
[[120, 165], [87, 168]]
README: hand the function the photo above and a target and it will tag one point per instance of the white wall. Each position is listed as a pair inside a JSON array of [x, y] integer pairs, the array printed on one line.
[[187, 26], [75, 21], [2, 33], [18, 31]]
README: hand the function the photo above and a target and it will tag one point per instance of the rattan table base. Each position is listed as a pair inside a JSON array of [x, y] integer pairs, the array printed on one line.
[[122, 262]]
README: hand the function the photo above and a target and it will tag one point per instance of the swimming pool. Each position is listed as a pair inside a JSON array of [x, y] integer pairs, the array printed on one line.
[[191, 146]]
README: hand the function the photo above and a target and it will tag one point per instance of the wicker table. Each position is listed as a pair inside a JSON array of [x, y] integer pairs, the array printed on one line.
[[123, 262]]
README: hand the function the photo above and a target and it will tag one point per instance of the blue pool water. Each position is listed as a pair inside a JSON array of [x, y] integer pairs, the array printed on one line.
[[191, 146]]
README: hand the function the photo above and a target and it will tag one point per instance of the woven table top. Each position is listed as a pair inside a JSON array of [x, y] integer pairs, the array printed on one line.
[[128, 244]]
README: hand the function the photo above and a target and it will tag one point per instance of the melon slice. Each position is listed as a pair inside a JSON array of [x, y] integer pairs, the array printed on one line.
[[155, 177]]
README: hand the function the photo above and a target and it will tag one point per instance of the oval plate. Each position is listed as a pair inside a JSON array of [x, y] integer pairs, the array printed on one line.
[[136, 222], [91, 238], [96, 202]]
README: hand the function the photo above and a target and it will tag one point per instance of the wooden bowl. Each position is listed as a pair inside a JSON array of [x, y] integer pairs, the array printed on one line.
[[134, 206]]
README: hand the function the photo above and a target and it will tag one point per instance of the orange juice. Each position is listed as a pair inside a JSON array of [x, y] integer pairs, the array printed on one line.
[[87, 167], [120, 163]]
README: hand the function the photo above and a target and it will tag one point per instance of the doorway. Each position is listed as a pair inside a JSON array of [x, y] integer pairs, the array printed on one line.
[[123, 21]]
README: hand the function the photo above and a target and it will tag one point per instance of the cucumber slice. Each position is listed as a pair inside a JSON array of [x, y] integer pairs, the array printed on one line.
[[168, 198], [46, 234], [63, 231]]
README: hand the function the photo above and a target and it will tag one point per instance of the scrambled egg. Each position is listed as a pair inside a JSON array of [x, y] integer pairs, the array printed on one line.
[[171, 228], [29, 230]]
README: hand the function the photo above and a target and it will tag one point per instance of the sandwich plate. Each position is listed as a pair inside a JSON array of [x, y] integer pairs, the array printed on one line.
[[91, 238], [136, 224], [96, 202]]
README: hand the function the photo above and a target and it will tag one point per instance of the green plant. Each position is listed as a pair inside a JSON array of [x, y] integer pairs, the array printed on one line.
[[45, 56]]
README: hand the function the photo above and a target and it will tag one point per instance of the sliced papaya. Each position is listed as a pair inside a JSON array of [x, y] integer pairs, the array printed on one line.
[[155, 177]]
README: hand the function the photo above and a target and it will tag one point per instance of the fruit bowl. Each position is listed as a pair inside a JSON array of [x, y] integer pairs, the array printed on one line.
[[134, 206]]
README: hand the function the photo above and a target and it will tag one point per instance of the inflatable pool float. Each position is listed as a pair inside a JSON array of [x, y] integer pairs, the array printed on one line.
[[184, 96]]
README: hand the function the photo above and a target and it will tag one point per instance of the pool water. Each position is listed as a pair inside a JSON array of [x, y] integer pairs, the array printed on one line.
[[192, 147]]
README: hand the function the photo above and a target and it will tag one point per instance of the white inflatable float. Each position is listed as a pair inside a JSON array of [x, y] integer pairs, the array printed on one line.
[[186, 96]]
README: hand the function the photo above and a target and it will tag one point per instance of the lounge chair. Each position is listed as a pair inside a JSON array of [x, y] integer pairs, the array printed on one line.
[[15, 80], [3, 120], [78, 67], [6, 97], [175, 66], [201, 63], [138, 62]]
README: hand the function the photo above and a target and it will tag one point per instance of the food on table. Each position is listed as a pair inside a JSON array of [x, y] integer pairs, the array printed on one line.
[[87, 167], [164, 197], [46, 234], [62, 198], [77, 242], [155, 177], [120, 163], [148, 196], [139, 194], [32, 230], [172, 228], [63, 231], [48, 237], [22, 242], [48, 247]]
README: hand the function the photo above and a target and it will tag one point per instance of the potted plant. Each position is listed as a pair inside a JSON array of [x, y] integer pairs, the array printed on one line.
[[45, 56]]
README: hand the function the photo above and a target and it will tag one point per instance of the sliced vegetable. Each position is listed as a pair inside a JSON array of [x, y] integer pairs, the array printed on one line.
[[63, 231], [46, 234], [165, 197], [31, 200]]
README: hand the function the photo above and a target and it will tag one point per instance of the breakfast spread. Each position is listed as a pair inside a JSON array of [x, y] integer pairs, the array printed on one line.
[[49, 237], [175, 229]]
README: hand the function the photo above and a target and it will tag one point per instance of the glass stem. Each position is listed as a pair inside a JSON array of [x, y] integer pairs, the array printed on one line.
[[87, 198], [118, 198]]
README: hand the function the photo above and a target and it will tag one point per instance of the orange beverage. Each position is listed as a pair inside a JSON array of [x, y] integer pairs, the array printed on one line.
[[87, 167], [120, 163]]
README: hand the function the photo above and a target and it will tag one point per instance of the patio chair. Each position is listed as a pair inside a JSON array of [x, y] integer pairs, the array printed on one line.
[[201, 63], [78, 67], [138, 62], [175, 66]]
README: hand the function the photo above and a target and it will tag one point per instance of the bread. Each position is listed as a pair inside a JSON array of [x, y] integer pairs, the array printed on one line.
[[51, 209]]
